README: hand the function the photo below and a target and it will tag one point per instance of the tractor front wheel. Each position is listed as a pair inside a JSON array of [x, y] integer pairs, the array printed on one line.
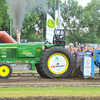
[[5, 70]]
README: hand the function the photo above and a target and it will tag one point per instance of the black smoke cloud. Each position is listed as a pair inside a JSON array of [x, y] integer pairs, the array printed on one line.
[[17, 12], [18, 9]]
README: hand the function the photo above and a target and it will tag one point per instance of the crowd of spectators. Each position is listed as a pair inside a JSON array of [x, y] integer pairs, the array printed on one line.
[[77, 47]]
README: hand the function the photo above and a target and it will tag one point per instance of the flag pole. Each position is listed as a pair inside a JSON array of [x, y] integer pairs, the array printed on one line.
[[59, 19], [55, 12]]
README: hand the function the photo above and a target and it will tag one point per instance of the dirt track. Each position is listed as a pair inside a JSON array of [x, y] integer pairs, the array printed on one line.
[[53, 98], [36, 81]]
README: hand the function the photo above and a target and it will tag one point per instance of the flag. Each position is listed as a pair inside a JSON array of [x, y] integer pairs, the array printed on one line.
[[63, 9], [50, 10], [61, 18], [56, 19], [50, 25]]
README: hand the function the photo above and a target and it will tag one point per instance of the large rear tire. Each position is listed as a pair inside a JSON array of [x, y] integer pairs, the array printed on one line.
[[39, 71], [5, 70], [56, 62]]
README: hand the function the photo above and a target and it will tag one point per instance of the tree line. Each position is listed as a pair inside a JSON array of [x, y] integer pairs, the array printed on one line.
[[81, 24]]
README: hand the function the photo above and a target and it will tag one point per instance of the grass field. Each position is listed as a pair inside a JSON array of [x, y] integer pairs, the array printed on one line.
[[49, 91], [30, 71]]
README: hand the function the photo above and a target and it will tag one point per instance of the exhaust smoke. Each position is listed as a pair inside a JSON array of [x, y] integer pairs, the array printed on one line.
[[18, 9], [17, 12]]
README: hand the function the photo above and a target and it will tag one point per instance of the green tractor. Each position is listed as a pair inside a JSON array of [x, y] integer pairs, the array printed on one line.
[[50, 60]]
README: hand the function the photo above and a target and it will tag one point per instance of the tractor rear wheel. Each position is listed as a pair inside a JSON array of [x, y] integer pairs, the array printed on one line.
[[39, 71], [5, 70], [56, 62]]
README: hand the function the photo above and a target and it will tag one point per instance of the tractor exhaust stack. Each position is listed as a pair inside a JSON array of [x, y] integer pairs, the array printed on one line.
[[18, 36]]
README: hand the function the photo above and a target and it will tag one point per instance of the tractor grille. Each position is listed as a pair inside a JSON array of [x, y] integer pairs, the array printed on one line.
[[11, 53]]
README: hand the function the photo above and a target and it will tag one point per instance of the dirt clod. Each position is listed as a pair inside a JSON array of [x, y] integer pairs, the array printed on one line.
[[77, 73]]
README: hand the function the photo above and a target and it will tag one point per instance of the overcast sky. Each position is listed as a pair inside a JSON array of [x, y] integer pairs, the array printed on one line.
[[82, 2]]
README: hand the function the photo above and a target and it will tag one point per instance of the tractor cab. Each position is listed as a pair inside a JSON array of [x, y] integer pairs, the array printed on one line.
[[59, 37]]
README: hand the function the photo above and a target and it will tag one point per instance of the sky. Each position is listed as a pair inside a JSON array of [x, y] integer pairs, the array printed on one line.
[[82, 2]]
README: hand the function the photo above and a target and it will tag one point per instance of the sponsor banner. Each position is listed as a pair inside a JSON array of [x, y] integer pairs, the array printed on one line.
[[79, 56], [25, 61], [3, 52], [9, 61], [61, 22], [87, 66], [56, 19], [49, 35], [88, 53], [50, 28], [17, 61], [57, 64], [58, 22], [32, 61], [4, 56], [54, 66]]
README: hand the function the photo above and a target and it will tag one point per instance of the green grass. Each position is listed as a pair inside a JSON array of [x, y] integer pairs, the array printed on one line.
[[49, 91], [30, 71]]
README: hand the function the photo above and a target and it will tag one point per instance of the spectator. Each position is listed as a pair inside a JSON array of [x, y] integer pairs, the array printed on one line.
[[76, 44], [85, 49], [97, 47], [93, 47], [79, 44], [86, 44], [80, 48]]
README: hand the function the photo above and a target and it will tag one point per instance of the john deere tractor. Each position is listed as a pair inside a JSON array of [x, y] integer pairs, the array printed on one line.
[[50, 60]]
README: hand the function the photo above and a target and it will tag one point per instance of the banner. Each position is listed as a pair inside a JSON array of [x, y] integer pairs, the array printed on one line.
[[61, 22], [87, 66], [88, 54], [79, 56], [57, 15], [56, 19], [50, 25]]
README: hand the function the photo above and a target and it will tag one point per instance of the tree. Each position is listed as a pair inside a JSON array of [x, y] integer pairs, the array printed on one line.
[[91, 19], [72, 20], [42, 16], [77, 19], [4, 17], [36, 18], [28, 29]]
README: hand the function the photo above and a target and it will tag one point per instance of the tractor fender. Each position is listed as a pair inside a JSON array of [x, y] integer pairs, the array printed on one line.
[[51, 45]]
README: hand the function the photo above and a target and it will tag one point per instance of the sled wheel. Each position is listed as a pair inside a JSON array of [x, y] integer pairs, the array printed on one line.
[[56, 62], [5, 70]]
